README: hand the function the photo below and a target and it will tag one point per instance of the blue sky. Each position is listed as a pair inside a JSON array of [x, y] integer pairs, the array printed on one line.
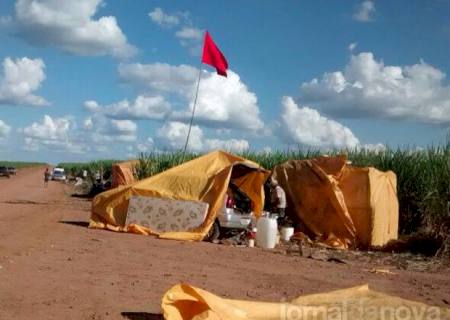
[[94, 79]]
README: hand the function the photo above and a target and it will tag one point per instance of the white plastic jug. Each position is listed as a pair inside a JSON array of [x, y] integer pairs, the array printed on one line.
[[266, 236]]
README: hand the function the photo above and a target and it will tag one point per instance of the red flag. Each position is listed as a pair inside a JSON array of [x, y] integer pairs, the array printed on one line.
[[213, 56]]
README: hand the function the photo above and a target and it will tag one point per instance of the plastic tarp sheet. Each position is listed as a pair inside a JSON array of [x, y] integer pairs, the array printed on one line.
[[183, 302], [122, 173], [340, 205], [371, 199], [203, 179]]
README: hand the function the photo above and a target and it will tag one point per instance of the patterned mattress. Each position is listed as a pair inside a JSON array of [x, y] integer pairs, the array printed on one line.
[[164, 215]]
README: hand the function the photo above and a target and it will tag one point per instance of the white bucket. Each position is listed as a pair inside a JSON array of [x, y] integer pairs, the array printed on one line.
[[287, 233], [266, 237]]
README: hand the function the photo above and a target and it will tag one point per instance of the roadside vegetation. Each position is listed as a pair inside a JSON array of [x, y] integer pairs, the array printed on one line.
[[75, 169], [21, 164]]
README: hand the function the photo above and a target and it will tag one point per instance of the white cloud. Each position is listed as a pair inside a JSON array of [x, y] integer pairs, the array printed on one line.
[[124, 126], [172, 135], [56, 134], [369, 88], [88, 123], [190, 38], [222, 102], [163, 19], [92, 106], [31, 145], [374, 147], [352, 46], [226, 103], [71, 26], [103, 130], [160, 76], [306, 126], [234, 145], [49, 129], [145, 146], [365, 11], [21, 77], [4, 130], [144, 107], [63, 135], [190, 34]]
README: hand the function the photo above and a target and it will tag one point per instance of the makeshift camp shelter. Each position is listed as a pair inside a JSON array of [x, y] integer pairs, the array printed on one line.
[[122, 173], [204, 180], [339, 204]]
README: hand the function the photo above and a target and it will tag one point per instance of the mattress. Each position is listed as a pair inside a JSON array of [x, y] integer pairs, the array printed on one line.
[[166, 215]]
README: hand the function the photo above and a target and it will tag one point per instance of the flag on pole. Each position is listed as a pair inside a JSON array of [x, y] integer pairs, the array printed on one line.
[[213, 56]]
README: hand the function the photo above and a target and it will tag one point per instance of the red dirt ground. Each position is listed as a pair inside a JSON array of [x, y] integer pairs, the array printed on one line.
[[53, 267]]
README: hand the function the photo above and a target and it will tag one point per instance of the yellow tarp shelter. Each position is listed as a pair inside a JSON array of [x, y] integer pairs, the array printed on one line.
[[338, 204], [203, 179], [122, 173], [185, 302]]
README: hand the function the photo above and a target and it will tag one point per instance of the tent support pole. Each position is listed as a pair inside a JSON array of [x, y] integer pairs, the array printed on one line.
[[193, 112]]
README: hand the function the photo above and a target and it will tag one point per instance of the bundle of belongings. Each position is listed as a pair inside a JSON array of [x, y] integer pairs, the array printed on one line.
[[339, 204], [183, 301], [182, 202]]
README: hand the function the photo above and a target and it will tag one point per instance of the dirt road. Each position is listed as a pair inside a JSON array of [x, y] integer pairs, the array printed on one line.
[[53, 267]]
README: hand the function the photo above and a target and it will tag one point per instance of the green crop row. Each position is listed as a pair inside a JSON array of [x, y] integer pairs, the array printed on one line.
[[76, 169], [20, 164]]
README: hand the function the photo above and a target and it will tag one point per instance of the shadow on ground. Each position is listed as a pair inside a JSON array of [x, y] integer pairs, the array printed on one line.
[[141, 316], [84, 224], [82, 196]]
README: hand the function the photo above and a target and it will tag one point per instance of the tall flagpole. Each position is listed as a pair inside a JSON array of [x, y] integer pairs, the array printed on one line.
[[193, 112]]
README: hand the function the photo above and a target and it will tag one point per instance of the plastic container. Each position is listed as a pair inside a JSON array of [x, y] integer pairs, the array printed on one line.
[[266, 237], [251, 237], [287, 233]]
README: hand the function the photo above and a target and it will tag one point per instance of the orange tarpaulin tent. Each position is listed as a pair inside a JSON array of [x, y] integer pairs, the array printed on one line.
[[122, 173], [204, 179], [339, 204]]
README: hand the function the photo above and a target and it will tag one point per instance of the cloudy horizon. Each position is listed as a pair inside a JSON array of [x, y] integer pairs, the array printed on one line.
[[93, 79]]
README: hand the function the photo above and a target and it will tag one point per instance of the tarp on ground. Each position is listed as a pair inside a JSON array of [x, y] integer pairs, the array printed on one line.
[[183, 302], [203, 179], [340, 205], [122, 173]]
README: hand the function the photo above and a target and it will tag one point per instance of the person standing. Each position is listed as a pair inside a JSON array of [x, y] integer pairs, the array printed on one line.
[[278, 202], [46, 177]]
